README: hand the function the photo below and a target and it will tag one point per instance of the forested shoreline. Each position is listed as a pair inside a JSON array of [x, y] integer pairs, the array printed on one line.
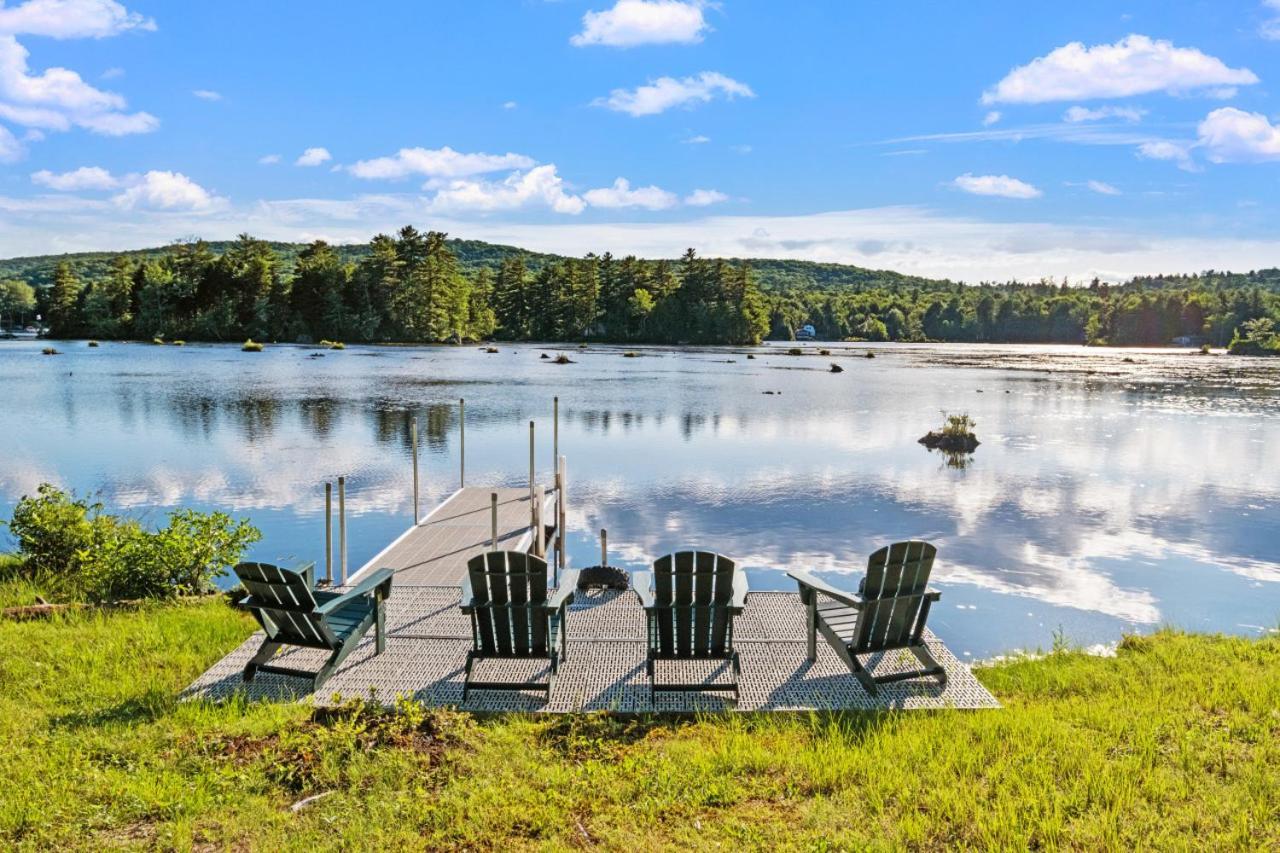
[[422, 287]]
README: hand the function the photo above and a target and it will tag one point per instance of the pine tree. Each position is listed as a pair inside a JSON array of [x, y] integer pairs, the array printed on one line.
[[63, 322]]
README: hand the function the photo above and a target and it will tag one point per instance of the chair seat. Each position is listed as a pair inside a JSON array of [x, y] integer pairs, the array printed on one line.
[[347, 620], [840, 618], [553, 644]]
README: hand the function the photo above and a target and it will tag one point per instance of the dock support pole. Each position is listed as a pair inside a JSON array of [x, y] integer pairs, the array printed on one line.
[[328, 533], [539, 529], [604, 547], [413, 442], [493, 519], [342, 530], [531, 468], [462, 443], [562, 506], [555, 431]]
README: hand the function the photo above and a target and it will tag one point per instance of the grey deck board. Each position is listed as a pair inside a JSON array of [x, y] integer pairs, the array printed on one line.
[[428, 638], [435, 550]]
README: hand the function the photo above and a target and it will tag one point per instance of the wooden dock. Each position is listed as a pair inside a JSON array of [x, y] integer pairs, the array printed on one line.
[[434, 552]]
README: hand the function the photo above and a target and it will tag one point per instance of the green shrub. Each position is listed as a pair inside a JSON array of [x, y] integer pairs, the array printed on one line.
[[958, 426], [84, 553], [251, 346]]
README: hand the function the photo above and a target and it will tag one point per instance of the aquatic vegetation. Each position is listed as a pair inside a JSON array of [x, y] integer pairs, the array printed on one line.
[[956, 435], [251, 346], [629, 354], [179, 343], [795, 351], [157, 341], [562, 359], [92, 344], [49, 351]]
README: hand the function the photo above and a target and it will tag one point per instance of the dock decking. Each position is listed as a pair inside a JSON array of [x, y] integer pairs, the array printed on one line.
[[428, 638], [434, 552]]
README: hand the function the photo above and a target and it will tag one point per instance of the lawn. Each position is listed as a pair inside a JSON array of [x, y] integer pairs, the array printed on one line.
[[1173, 743]]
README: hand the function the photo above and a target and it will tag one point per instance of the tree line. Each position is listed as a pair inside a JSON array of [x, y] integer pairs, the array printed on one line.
[[422, 287]]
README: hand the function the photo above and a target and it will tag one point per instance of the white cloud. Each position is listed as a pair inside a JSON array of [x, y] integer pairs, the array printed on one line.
[[84, 178], [539, 186], [1270, 28], [1135, 65], [437, 163], [1077, 114], [1229, 135], [998, 185], [313, 157], [11, 149], [1102, 188], [704, 198], [207, 94], [58, 98], [741, 149], [509, 105], [112, 73], [697, 140], [622, 195], [991, 118], [1163, 149], [158, 190], [636, 22], [667, 92], [268, 159], [68, 19]]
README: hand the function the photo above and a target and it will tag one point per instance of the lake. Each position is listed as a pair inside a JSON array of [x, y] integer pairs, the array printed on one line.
[[1114, 490]]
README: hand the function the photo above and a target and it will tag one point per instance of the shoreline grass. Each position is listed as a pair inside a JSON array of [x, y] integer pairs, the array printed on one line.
[[1175, 742]]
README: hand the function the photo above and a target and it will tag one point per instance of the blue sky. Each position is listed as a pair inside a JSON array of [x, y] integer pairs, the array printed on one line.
[[978, 140]]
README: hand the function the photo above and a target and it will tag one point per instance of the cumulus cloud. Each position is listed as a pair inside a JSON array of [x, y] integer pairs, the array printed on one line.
[[437, 163], [1077, 114], [1102, 188], [84, 178], [1229, 135], [1135, 65], [509, 105], [207, 95], [635, 22], [705, 198], [11, 149], [1270, 28], [58, 99], [666, 92], [68, 19], [171, 191], [697, 140], [1163, 149], [622, 195], [313, 157], [997, 185], [539, 186], [268, 159]]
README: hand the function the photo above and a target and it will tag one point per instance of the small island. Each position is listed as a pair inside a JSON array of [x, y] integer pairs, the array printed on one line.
[[956, 435]]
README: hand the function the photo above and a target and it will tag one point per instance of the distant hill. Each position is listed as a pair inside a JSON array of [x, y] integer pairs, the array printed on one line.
[[770, 275]]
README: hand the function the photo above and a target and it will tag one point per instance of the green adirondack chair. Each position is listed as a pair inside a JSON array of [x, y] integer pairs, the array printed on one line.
[[514, 616], [293, 613], [888, 612], [690, 600]]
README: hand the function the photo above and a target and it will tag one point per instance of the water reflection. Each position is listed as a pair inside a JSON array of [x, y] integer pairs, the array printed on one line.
[[1106, 496]]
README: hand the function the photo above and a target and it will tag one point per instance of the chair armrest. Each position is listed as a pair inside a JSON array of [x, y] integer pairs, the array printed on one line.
[[640, 583], [813, 584], [308, 572], [375, 579], [564, 593], [932, 594], [740, 590], [468, 595]]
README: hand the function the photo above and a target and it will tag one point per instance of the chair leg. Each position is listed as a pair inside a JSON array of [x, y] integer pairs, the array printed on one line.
[[265, 652], [931, 665], [380, 627], [864, 678], [466, 675], [812, 627]]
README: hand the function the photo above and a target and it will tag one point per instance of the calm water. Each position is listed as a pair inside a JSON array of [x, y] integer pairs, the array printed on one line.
[[1113, 491]]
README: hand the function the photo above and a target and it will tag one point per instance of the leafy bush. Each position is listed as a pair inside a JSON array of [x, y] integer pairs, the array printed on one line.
[[958, 426], [1256, 337], [85, 553]]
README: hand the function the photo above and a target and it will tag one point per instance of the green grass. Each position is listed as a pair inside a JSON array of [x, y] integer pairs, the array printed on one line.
[[1174, 743]]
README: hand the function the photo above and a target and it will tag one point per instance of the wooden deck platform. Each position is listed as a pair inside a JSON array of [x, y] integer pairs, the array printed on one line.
[[434, 552]]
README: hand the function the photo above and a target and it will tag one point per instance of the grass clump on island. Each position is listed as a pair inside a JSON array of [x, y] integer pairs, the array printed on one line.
[[1173, 743], [251, 346]]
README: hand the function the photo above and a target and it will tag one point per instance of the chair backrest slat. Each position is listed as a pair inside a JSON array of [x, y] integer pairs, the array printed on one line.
[[509, 589], [284, 605], [692, 592], [896, 581]]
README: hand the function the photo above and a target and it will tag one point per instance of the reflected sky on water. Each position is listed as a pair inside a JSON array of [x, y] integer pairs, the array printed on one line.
[[1113, 490]]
